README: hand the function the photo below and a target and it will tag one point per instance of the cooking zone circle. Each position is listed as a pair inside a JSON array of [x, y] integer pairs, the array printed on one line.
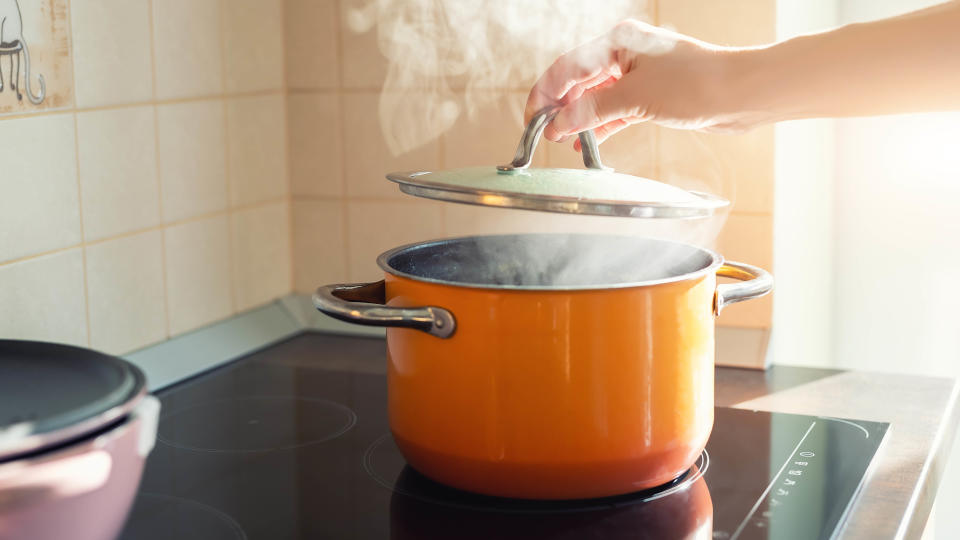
[[384, 463], [156, 516], [255, 424]]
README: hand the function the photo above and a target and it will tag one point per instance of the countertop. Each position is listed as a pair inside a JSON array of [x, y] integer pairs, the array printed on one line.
[[897, 498]]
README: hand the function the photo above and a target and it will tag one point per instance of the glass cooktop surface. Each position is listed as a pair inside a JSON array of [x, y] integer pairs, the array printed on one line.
[[293, 442]]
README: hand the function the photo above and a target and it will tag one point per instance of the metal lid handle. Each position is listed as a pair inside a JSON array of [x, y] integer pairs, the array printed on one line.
[[531, 136]]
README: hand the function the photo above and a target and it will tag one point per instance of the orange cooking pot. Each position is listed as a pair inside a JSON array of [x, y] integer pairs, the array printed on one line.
[[548, 366]]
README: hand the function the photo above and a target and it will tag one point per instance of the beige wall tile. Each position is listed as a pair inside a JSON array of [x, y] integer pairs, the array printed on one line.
[[186, 37], [43, 299], [319, 252], [363, 65], [198, 273], [562, 155], [261, 254], [118, 171], [367, 159], [757, 313], [125, 284], [736, 167], [46, 31], [375, 227], [748, 239], [311, 31], [253, 44], [632, 151], [111, 51], [733, 22], [38, 207], [742, 347], [316, 151], [191, 154], [257, 148], [490, 135]]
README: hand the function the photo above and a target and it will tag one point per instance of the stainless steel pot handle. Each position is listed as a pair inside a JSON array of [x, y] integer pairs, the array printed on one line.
[[531, 136], [756, 282], [363, 303]]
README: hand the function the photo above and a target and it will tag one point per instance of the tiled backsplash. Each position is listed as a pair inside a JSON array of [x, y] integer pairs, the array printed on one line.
[[147, 194], [180, 143], [345, 213]]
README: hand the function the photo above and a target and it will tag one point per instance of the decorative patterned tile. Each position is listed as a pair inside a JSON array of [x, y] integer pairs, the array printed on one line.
[[44, 65]]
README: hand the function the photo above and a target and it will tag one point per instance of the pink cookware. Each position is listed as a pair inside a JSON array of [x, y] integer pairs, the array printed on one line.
[[75, 429]]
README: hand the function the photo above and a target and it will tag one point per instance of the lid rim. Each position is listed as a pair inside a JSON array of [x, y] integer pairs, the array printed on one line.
[[705, 205]]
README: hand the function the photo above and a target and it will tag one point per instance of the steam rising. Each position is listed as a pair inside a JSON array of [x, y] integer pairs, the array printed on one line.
[[551, 260], [447, 58], [443, 51], [529, 260]]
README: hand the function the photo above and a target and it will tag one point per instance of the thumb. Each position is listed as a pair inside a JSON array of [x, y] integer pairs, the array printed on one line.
[[593, 109]]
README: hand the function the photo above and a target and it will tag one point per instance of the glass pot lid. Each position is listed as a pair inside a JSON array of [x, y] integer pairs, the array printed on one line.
[[595, 190]]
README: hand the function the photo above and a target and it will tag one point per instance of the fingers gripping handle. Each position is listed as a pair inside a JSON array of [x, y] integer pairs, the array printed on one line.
[[363, 303], [531, 136]]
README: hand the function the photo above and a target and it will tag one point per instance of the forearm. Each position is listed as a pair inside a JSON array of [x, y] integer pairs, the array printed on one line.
[[904, 64]]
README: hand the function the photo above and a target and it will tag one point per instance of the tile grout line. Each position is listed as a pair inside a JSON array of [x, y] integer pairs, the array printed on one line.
[[285, 68], [657, 142], [341, 132], [151, 19], [192, 219], [224, 104], [140, 103], [76, 156], [82, 245]]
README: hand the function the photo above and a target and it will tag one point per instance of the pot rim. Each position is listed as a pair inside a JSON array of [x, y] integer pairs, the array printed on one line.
[[715, 258]]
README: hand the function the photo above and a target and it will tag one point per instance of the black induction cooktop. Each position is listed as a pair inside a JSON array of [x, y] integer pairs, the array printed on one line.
[[293, 442]]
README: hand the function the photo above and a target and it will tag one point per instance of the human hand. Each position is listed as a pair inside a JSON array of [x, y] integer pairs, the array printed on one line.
[[638, 73]]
